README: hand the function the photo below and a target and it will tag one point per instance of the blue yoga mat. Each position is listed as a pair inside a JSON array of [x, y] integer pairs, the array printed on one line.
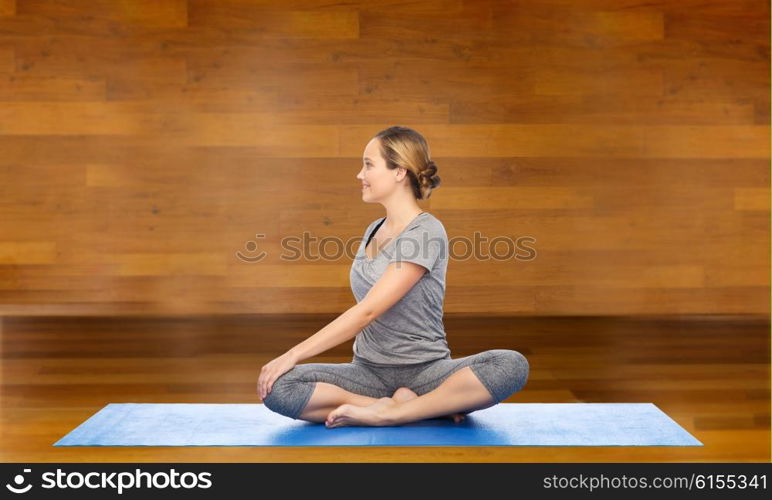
[[505, 424]]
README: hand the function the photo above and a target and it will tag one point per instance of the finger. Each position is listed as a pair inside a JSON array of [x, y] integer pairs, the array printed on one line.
[[265, 386]]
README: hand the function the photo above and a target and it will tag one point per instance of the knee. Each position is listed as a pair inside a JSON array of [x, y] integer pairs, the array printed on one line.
[[279, 390], [283, 395], [514, 367]]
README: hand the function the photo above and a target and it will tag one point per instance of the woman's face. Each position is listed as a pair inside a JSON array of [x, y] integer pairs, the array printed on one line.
[[377, 180]]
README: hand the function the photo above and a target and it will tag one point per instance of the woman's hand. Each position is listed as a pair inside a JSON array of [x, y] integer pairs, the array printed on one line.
[[273, 370]]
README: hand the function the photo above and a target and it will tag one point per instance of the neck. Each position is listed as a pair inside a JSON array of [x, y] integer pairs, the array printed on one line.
[[398, 217]]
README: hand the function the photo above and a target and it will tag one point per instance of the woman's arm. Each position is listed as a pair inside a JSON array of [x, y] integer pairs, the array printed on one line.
[[341, 329], [390, 288]]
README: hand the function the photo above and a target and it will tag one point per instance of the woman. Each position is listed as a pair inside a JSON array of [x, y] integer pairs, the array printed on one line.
[[401, 370]]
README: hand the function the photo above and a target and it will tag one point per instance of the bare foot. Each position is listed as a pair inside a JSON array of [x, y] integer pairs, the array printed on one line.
[[404, 394], [382, 403], [349, 414], [376, 413]]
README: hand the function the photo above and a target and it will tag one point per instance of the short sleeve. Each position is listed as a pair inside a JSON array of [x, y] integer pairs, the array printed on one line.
[[420, 245]]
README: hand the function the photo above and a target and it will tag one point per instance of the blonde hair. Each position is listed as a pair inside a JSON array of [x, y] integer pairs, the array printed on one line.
[[406, 148]]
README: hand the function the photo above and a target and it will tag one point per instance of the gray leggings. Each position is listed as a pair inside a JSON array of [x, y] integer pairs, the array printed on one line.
[[502, 371]]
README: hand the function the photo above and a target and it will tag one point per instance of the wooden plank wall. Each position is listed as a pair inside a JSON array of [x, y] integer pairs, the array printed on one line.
[[144, 143]]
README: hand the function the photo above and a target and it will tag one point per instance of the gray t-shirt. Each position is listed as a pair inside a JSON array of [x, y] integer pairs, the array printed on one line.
[[411, 331]]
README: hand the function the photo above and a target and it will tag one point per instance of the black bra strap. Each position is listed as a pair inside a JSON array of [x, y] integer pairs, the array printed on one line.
[[372, 233]]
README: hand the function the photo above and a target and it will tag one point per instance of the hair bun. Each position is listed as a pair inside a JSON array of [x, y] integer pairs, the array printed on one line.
[[428, 177], [431, 169]]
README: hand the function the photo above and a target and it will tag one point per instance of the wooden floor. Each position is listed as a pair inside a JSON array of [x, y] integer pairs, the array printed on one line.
[[709, 375]]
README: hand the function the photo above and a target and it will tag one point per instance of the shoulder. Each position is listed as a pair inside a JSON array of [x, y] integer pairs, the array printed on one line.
[[428, 223]]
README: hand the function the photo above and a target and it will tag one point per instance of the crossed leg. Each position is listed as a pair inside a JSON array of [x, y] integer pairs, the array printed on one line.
[[326, 397], [460, 392], [310, 391], [402, 395], [448, 387]]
